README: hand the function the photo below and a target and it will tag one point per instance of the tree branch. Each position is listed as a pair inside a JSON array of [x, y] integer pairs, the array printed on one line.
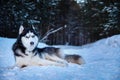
[[51, 31]]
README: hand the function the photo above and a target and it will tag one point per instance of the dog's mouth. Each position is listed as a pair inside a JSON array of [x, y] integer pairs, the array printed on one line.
[[31, 48]]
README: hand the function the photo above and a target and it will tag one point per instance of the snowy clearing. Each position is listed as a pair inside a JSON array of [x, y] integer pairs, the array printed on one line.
[[102, 63]]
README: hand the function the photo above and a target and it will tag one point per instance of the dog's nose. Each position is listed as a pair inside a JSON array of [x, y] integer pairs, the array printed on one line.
[[31, 43]]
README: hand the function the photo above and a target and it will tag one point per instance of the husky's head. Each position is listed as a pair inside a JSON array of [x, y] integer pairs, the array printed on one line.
[[28, 37]]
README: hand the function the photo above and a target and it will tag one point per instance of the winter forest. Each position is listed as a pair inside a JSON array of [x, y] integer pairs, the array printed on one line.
[[77, 22]]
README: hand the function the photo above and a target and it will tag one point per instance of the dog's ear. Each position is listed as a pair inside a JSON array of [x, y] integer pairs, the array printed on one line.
[[21, 29]]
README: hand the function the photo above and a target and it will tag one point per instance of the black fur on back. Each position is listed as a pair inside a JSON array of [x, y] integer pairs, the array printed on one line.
[[48, 50], [18, 44], [51, 50]]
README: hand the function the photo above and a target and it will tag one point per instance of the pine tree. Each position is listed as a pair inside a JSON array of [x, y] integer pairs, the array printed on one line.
[[102, 17]]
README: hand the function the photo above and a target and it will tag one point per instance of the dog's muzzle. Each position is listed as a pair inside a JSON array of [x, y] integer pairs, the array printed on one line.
[[31, 43]]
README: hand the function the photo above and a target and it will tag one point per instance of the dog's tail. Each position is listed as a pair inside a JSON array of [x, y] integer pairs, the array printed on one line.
[[74, 58]]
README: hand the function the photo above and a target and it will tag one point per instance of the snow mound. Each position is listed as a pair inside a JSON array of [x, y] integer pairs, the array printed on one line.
[[113, 41], [102, 62]]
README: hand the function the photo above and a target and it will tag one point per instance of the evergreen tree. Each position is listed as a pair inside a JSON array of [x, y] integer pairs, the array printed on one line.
[[102, 17]]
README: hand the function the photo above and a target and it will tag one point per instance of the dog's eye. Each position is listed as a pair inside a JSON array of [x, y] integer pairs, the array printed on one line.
[[33, 36], [27, 36]]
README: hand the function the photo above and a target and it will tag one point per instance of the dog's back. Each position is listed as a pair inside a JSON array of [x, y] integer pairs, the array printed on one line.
[[74, 58]]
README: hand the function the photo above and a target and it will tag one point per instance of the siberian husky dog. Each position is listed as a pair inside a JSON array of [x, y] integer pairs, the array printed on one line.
[[27, 53]]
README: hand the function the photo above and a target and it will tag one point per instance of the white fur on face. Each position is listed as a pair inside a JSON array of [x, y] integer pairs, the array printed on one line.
[[27, 39]]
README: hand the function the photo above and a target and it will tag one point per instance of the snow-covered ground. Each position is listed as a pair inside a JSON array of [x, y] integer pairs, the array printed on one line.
[[102, 63]]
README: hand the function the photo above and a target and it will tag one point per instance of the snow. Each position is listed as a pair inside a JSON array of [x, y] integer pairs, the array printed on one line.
[[102, 62], [80, 1]]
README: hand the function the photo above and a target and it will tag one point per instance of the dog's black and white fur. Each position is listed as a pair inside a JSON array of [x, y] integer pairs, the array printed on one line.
[[28, 54]]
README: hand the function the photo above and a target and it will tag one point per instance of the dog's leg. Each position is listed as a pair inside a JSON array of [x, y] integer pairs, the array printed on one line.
[[22, 61], [47, 62], [43, 62]]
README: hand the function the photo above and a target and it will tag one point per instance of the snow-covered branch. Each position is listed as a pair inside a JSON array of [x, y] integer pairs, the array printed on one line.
[[51, 31]]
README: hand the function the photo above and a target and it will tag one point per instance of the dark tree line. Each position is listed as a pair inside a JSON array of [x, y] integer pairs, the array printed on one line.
[[104, 17], [81, 22]]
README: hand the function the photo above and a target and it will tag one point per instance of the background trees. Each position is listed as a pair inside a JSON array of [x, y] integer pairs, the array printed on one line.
[[81, 23]]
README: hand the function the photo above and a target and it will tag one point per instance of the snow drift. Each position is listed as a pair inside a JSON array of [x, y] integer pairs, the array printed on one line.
[[102, 62]]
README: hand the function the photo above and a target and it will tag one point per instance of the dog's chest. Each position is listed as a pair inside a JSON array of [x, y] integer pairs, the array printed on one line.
[[29, 54], [29, 59]]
